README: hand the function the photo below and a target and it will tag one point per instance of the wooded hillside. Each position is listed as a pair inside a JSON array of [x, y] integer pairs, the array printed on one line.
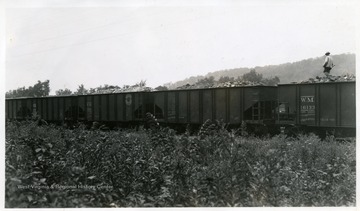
[[287, 73]]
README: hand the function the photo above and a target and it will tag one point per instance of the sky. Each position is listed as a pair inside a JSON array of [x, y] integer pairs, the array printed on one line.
[[102, 42]]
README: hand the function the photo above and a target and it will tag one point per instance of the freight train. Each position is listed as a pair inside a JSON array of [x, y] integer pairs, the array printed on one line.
[[327, 107]]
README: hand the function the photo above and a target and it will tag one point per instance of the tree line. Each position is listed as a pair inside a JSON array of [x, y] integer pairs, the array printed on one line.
[[42, 89]]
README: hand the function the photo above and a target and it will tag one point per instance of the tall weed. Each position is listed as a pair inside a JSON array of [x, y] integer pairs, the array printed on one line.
[[155, 167]]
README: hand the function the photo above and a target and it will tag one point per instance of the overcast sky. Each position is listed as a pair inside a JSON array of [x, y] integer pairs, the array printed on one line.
[[101, 42]]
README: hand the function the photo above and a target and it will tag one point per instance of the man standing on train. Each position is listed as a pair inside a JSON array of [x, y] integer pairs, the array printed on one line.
[[328, 64]]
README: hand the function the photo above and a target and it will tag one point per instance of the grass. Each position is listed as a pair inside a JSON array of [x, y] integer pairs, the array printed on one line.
[[50, 166]]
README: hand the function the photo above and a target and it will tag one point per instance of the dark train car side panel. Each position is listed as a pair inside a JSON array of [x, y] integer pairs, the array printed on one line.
[[327, 105], [11, 116], [221, 105], [35, 104], [15, 104], [26, 108], [18, 109], [347, 105], [38, 107], [317, 105], [251, 99], [112, 111], [251, 96], [171, 107], [207, 105], [183, 107], [44, 108], [29, 107], [7, 109], [103, 108], [120, 107], [308, 105], [129, 107], [18, 114], [139, 106], [67, 108], [194, 107], [10, 109], [96, 106], [268, 103], [89, 108], [81, 108], [14, 109], [287, 105], [50, 108], [159, 106], [56, 109], [235, 106], [61, 104]]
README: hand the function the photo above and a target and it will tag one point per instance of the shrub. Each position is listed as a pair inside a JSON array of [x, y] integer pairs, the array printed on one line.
[[155, 167]]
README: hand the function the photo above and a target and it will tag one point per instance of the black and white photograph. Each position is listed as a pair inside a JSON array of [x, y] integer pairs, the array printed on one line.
[[179, 104]]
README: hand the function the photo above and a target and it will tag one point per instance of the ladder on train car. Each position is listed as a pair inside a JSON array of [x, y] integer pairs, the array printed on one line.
[[258, 110]]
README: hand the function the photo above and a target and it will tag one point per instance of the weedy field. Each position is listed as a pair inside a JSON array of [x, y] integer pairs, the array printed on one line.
[[51, 166]]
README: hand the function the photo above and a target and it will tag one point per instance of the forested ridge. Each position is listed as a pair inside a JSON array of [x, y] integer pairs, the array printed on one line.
[[287, 72]]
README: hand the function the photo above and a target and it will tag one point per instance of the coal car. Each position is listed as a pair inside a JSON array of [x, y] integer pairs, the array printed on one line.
[[321, 106], [253, 104]]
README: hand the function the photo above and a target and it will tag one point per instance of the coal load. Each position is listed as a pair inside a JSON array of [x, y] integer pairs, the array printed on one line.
[[124, 89], [330, 78], [220, 85], [239, 84]]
